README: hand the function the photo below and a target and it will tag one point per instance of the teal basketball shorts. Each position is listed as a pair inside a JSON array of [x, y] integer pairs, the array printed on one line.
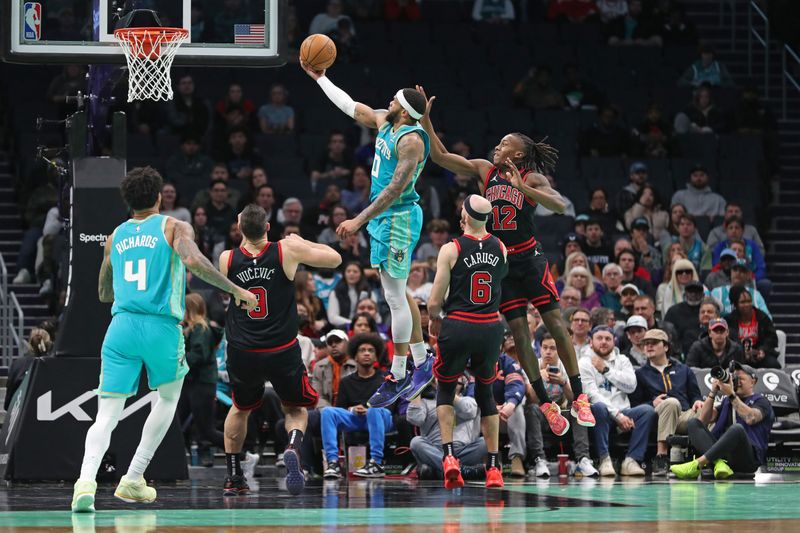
[[393, 237], [133, 340]]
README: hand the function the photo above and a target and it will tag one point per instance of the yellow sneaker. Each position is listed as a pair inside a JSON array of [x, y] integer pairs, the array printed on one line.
[[135, 491], [722, 470], [83, 496]]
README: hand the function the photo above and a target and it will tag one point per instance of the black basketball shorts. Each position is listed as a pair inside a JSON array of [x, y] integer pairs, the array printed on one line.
[[469, 344], [528, 280], [283, 367]]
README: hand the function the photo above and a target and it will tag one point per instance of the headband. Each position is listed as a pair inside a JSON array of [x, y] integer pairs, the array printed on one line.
[[416, 115], [480, 217]]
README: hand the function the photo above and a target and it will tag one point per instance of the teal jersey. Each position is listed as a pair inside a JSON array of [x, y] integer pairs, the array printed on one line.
[[385, 162], [149, 277]]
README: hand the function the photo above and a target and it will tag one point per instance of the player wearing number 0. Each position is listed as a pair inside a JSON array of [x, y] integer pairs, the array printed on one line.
[[143, 274], [469, 270], [394, 222], [262, 342], [512, 182]]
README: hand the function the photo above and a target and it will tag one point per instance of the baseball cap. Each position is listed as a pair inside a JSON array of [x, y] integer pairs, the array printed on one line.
[[694, 284], [637, 166], [717, 323], [699, 167], [597, 329], [630, 287], [741, 263], [656, 334], [583, 217], [640, 222], [571, 237], [747, 369], [636, 321], [335, 333], [728, 252]]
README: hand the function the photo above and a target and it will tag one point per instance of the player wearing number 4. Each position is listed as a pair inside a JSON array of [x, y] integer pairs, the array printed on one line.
[[262, 342], [512, 182], [394, 222], [143, 275]]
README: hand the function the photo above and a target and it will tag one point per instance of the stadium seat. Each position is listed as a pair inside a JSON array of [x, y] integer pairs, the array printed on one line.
[[539, 33], [299, 187], [285, 168], [323, 119], [276, 145], [167, 143], [781, 347], [659, 175], [140, 145], [702, 147], [606, 172], [503, 122], [583, 34], [741, 146], [557, 122]]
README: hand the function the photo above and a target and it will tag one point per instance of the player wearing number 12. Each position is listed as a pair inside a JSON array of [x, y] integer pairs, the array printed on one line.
[[143, 274], [262, 342]]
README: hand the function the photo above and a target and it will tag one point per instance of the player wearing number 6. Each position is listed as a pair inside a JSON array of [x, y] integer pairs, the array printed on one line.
[[143, 274], [394, 222], [469, 270], [262, 342]]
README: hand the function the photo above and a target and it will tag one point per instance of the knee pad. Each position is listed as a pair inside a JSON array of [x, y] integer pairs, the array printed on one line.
[[485, 399], [446, 394]]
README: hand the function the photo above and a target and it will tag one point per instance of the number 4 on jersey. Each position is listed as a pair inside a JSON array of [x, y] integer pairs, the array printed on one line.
[[140, 276]]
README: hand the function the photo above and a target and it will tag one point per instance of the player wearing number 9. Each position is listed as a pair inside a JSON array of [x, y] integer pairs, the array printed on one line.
[[143, 275], [262, 341]]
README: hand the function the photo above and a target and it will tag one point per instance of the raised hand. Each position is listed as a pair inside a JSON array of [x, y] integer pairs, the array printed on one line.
[[315, 74]]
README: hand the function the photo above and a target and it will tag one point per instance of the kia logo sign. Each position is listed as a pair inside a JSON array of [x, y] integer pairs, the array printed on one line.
[[771, 380], [46, 413], [796, 377]]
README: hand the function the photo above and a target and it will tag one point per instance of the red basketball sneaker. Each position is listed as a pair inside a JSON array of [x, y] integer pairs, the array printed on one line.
[[494, 478], [558, 424], [582, 411], [452, 473]]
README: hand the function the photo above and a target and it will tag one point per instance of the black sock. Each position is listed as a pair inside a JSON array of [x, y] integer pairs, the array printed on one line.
[[492, 461], [234, 463], [447, 448], [295, 439], [576, 384], [541, 392]]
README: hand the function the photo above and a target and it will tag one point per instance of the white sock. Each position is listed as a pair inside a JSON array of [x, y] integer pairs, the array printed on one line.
[[419, 353], [399, 366], [98, 437], [155, 427]]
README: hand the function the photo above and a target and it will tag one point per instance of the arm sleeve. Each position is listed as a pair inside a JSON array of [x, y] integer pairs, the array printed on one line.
[[340, 99], [622, 375]]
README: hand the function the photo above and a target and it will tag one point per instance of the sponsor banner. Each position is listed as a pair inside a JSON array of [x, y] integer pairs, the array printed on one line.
[[775, 385], [51, 413], [97, 208]]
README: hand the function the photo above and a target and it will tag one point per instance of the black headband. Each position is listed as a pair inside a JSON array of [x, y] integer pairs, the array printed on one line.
[[481, 217]]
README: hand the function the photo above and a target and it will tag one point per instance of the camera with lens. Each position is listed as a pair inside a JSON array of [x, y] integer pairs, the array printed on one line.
[[723, 375]]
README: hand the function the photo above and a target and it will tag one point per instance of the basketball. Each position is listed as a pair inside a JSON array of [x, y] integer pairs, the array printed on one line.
[[318, 51]]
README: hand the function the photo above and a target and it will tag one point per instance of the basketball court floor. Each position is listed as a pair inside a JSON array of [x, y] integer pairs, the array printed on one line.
[[767, 504]]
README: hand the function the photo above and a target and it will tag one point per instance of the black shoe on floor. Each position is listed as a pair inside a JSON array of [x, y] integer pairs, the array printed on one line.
[[235, 486], [661, 465]]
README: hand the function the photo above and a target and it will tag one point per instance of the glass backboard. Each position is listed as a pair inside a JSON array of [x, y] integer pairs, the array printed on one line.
[[221, 32]]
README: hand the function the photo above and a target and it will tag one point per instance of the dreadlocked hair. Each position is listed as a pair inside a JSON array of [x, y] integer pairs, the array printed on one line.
[[539, 156]]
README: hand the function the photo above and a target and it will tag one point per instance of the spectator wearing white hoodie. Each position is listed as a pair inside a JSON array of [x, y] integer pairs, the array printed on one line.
[[608, 378], [698, 198]]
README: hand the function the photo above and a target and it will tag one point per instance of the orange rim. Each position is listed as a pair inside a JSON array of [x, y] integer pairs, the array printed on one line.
[[169, 33]]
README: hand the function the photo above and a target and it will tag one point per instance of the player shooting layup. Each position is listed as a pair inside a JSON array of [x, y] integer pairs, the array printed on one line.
[[394, 222], [514, 194], [143, 275]]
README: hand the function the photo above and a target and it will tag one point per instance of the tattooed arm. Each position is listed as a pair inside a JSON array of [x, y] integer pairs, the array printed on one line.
[[199, 265], [410, 151], [105, 284]]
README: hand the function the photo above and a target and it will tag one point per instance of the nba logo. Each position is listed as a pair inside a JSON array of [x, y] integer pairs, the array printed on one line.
[[33, 21]]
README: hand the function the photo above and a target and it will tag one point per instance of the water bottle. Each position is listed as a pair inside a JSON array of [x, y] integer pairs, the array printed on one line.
[[195, 455]]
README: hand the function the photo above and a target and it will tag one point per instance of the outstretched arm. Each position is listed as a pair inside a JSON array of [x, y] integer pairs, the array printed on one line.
[[199, 265], [474, 168], [410, 151], [448, 255], [296, 250], [363, 114], [105, 284], [536, 187]]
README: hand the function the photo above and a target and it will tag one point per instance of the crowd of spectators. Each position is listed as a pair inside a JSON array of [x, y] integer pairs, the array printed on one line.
[[647, 281]]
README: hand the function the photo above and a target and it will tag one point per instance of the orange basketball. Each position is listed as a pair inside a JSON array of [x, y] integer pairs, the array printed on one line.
[[318, 51]]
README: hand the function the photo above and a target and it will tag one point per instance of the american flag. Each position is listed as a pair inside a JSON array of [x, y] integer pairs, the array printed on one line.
[[248, 33]]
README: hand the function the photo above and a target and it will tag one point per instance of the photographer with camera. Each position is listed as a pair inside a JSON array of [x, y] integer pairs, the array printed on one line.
[[739, 440]]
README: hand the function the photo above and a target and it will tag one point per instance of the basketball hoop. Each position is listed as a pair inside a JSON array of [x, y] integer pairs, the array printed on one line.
[[149, 53]]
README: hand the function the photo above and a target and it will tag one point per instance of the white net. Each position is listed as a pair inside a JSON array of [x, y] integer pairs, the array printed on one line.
[[149, 53]]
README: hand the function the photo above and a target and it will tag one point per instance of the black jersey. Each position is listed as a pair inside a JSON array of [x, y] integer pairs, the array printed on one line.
[[273, 324], [475, 279], [512, 212]]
